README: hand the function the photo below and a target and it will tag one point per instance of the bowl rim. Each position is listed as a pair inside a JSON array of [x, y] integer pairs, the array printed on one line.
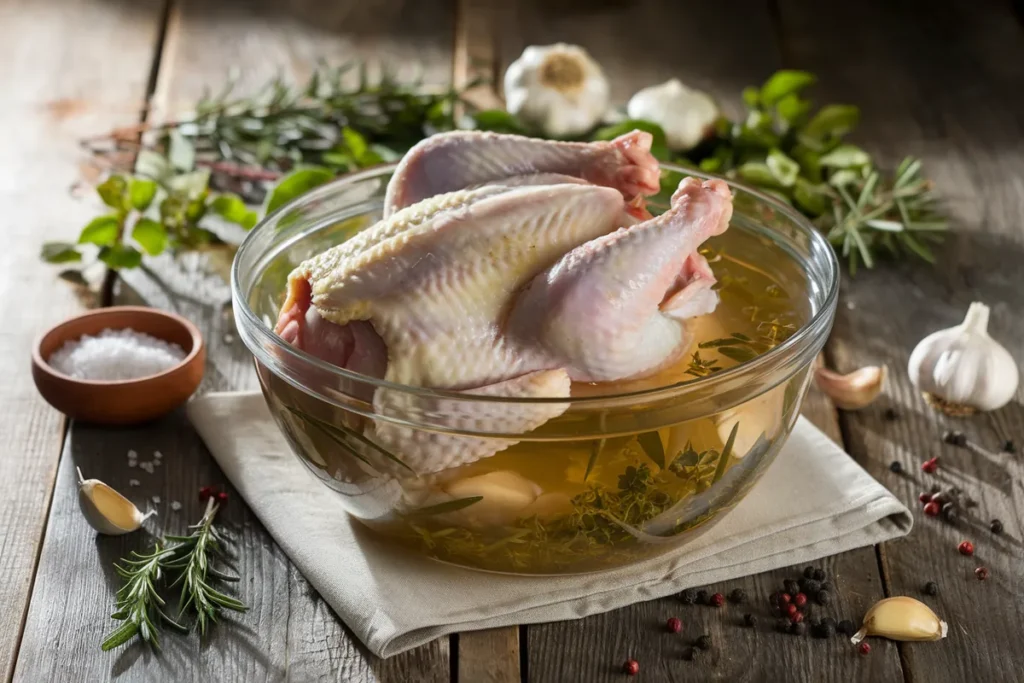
[[44, 365], [816, 327]]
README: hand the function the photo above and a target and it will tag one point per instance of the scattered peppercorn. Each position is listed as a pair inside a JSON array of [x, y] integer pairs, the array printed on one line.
[[846, 627], [935, 488], [931, 588], [932, 509], [791, 586], [738, 595], [823, 598], [808, 572], [1009, 446], [810, 586], [773, 599], [703, 642], [826, 585], [222, 497], [896, 467], [688, 596], [819, 575], [996, 526], [631, 667], [674, 625], [925, 498], [798, 629], [688, 654], [828, 621], [791, 610], [799, 599], [966, 548], [782, 625], [970, 502], [955, 438], [717, 600], [749, 620], [891, 415], [206, 493], [864, 648], [981, 573], [825, 630], [950, 512], [702, 597], [797, 618], [930, 466], [784, 599]]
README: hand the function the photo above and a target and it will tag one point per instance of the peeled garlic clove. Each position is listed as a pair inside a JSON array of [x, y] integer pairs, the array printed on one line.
[[548, 505], [687, 116], [504, 495], [962, 369], [106, 510], [855, 390], [901, 618]]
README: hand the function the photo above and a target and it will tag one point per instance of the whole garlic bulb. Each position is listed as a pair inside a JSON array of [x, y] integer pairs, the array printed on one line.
[[963, 367], [686, 115], [558, 89]]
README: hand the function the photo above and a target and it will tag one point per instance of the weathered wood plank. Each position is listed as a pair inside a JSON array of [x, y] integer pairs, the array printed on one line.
[[68, 67], [699, 45], [288, 633], [946, 85], [490, 656]]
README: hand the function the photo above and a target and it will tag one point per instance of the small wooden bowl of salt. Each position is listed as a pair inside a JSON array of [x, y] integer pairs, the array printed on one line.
[[119, 365]]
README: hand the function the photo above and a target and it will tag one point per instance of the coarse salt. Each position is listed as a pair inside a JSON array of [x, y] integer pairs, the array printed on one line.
[[133, 482], [116, 355], [175, 505]]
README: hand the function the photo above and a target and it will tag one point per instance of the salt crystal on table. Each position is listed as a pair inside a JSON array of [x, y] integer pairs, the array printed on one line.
[[156, 500], [133, 482], [132, 463], [116, 355], [146, 467], [132, 455], [157, 454], [175, 505]]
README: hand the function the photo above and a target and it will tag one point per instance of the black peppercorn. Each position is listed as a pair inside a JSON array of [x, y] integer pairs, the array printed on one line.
[[896, 467], [798, 629], [749, 620], [955, 438], [702, 597], [703, 642], [823, 598], [1009, 446], [846, 627], [828, 621], [689, 653], [826, 585], [819, 575], [688, 596], [782, 625], [825, 629], [792, 587], [808, 572], [738, 595], [891, 415], [996, 526], [931, 588], [950, 513], [810, 586]]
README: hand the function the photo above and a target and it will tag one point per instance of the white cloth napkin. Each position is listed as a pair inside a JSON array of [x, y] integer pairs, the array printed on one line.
[[813, 501]]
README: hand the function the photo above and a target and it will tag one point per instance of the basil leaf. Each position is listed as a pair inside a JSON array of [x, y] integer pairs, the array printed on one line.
[[834, 120], [112, 191], [120, 256], [784, 169], [60, 252], [783, 83], [101, 231], [141, 193], [845, 156], [296, 184], [150, 235], [497, 121], [231, 208]]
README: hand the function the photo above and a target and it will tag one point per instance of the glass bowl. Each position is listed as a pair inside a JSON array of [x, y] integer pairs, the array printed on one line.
[[613, 479]]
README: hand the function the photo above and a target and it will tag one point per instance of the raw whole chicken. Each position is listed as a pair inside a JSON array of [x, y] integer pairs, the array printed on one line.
[[508, 266]]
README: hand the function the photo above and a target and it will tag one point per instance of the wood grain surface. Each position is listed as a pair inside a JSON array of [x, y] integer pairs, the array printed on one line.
[[62, 78]]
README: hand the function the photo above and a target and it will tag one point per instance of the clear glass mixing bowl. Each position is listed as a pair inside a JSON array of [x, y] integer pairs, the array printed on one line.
[[612, 480]]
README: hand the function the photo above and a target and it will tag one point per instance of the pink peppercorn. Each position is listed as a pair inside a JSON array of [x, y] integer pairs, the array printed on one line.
[[717, 599], [674, 625], [966, 548]]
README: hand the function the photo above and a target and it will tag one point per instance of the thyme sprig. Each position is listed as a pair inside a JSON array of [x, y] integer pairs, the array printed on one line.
[[190, 558]]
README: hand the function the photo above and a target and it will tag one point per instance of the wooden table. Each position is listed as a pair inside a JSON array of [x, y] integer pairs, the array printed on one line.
[[943, 81]]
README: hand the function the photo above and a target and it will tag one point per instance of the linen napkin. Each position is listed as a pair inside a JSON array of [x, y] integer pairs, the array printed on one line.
[[813, 501]]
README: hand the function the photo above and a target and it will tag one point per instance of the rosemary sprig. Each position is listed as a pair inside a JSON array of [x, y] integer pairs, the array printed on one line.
[[138, 604]]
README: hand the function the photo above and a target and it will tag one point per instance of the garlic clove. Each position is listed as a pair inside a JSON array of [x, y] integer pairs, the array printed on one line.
[[962, 369], [686, 115], [558, 89], [901, 618], [106, 510], [505, 495], [548, 505], [855, 390]]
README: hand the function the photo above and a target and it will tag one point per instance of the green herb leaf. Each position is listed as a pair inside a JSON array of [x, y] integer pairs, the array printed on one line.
[[595, 452], [60, 252], [655, 450], [758, 174], [295, 185], [783, 83], [113, 191], [784, 169], [498, 121], [792, 109], [751, 97], [141, 193], [152, 164], [723, 459], [832, 121], [659, 146], [231, 208], [739, 354], [181, 153], [150, 235], [447, 506], [101, 231], [121, 256], [192, 184], [845, 156]]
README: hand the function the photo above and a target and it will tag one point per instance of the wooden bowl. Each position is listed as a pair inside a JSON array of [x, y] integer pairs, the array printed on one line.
[[121, 402]]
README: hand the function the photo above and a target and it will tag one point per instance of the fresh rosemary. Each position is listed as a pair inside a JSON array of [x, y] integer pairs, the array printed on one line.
[[190, 558]]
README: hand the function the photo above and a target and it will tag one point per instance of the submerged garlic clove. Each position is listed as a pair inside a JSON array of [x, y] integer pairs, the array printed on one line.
[[855, 390], [106, 510], [504, 495], [962, 369], [686, 115], [558, 89], [901, 618]]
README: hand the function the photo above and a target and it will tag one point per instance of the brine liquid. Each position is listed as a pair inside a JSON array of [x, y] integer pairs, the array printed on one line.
[[572, 506]]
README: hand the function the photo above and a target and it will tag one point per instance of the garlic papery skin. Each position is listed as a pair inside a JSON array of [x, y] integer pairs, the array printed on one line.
[[106, 510], [852, 391], [558, 89], [687, 116], [962, 369]]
